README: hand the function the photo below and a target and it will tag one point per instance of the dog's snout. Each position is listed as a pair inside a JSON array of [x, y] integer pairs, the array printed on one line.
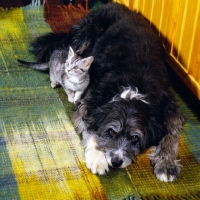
[[116, 162]]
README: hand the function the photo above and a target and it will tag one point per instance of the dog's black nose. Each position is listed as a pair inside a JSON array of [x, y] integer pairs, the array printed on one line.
[[116, 162]]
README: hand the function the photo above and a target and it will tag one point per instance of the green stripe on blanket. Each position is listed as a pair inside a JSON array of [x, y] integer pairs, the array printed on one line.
[[40, 153]]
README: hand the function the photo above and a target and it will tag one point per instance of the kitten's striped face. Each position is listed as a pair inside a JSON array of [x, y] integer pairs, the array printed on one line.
[[75, 64], [72, 65]]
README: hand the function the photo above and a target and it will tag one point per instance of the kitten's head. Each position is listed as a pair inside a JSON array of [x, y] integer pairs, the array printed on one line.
[[76, 64]]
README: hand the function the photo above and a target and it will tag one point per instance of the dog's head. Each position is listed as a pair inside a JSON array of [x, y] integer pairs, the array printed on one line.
[[124, 129]]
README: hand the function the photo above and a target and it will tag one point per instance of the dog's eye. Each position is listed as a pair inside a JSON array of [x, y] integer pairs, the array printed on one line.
[[111, 131], [134, 138]]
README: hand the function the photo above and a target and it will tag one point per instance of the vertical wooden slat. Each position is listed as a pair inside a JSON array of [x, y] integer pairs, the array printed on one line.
[[179, 31], [181, 28], [187, 23], [125, 2], [156, 13], [130, 5], [146, 8], [165, 22], [173, 18], [140, 6], [194, 61], [135, 5]]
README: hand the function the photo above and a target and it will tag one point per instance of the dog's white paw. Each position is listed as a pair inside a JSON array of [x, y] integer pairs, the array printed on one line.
[[166, 178], [96, 162], [169, 172]]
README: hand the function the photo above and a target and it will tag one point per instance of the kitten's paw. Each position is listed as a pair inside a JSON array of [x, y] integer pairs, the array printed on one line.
[[77, 96], [70, 96], [54, 84], [71, 100], [96, 162], [168, 173]]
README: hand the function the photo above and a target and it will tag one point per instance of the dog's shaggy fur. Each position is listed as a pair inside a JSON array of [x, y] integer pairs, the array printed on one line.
[[128, 106]]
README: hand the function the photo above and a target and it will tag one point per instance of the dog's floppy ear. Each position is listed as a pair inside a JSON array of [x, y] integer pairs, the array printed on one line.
[[95, 119]]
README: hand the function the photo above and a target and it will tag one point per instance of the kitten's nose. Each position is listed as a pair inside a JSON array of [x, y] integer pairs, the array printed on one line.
[[116, 162]]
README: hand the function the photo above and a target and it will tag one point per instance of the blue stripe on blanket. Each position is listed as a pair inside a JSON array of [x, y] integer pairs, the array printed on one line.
[[8, 184]]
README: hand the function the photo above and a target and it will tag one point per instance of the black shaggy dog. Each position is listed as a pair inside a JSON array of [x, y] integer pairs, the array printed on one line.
[[128, 106]]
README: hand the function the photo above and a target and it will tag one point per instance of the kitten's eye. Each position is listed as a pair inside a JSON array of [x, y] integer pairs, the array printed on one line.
[[75, 67], [134, 138], [111, 131]]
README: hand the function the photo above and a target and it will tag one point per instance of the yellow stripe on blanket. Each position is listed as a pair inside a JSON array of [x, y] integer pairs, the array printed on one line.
[[11, 26], [47, 159]]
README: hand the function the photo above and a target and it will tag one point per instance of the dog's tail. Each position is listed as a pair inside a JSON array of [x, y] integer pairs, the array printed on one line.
[[38, 66], [43, 46]]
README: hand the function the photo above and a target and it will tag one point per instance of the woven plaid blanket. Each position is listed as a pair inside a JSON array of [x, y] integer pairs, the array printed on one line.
[[40, 153]]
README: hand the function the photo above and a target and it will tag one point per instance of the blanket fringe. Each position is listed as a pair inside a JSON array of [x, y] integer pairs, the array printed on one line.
[[187, 196], [37, 3]]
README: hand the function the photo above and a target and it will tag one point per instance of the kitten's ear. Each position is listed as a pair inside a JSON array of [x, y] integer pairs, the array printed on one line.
[[71, 52], [86, 62], [89, 60]]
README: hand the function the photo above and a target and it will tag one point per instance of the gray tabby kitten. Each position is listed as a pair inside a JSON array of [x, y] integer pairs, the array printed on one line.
[[67, 69]]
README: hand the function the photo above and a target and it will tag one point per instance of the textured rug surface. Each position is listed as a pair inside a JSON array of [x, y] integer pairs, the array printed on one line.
[[40, 152]]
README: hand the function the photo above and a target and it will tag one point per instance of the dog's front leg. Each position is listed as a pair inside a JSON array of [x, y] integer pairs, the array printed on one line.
[[163, 157], [166, 167], [95, 159]]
